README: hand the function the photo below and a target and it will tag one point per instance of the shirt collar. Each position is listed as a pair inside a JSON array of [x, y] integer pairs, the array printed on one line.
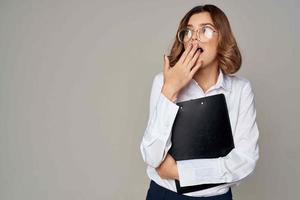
[[223, 81]]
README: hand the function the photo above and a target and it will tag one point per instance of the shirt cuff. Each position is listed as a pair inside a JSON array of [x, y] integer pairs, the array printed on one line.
[[199, 171], [167, 110], [161, 121]]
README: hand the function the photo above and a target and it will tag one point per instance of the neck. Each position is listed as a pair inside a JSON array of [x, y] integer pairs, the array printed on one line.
[[207, 76]]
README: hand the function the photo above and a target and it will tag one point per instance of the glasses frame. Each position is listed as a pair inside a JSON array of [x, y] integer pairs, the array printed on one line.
[[197, 34]]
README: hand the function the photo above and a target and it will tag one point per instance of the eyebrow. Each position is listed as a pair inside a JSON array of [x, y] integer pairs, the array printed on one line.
[[203, 24]]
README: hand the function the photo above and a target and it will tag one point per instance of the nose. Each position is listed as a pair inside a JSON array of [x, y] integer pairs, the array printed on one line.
[[195, 42], [194, 36]]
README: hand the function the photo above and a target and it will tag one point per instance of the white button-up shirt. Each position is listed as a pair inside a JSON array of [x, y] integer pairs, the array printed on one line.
[[232, 168]]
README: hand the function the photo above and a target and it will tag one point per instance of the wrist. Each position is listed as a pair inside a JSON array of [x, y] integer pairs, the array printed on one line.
[[176, 175], [169, 92]]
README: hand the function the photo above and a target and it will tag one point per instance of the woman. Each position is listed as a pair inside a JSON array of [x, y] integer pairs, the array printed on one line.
[[202, 62]]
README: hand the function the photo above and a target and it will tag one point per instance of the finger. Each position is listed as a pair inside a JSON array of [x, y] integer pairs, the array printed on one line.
[[190, 55], [194, 59], [195, 68], [166, 63], [185, 53]]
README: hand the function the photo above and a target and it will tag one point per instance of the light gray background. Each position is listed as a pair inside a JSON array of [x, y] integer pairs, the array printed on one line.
[[75, 79]]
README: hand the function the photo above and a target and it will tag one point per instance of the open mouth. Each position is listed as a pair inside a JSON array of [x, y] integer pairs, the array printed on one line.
[[201, 50]]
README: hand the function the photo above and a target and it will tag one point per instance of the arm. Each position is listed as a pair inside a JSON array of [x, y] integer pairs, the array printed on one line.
[[239, 163], [156, 141]]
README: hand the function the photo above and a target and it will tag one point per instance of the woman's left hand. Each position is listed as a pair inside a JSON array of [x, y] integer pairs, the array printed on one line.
[[168, 168]]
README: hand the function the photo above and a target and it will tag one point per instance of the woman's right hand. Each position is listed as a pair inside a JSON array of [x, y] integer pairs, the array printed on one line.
[[176, 77]]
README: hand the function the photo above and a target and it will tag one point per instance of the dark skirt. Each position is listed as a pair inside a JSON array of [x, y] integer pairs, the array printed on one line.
[[157, 192]]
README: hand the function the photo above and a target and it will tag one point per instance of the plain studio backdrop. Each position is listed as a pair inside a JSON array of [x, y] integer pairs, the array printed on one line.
[[75, 80]]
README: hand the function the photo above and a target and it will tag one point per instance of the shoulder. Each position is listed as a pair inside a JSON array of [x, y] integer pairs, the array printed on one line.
[[159, 76], [238, 83], [158, 79], [241, 92]]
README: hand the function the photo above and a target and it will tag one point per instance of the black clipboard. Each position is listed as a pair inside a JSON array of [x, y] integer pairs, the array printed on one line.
[[201, 130]]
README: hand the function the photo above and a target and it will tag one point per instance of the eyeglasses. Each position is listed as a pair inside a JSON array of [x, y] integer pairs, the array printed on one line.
[[205, 33]]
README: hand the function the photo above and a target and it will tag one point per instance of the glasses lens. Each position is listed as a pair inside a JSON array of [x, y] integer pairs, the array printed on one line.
[[185, 35], [207, 33]]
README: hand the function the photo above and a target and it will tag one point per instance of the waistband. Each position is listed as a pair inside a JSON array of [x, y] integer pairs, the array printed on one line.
[[156, 189]]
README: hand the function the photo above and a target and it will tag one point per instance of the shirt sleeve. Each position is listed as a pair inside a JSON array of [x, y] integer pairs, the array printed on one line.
[[239, 163], [156, 140]]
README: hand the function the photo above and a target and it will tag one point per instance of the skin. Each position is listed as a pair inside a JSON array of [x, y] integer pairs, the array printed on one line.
[[202, 67]]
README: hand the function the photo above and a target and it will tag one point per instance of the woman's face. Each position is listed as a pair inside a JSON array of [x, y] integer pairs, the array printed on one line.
[[209, 47]]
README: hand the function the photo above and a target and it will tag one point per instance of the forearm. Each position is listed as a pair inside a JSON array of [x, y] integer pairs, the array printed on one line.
[[157, 137]]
